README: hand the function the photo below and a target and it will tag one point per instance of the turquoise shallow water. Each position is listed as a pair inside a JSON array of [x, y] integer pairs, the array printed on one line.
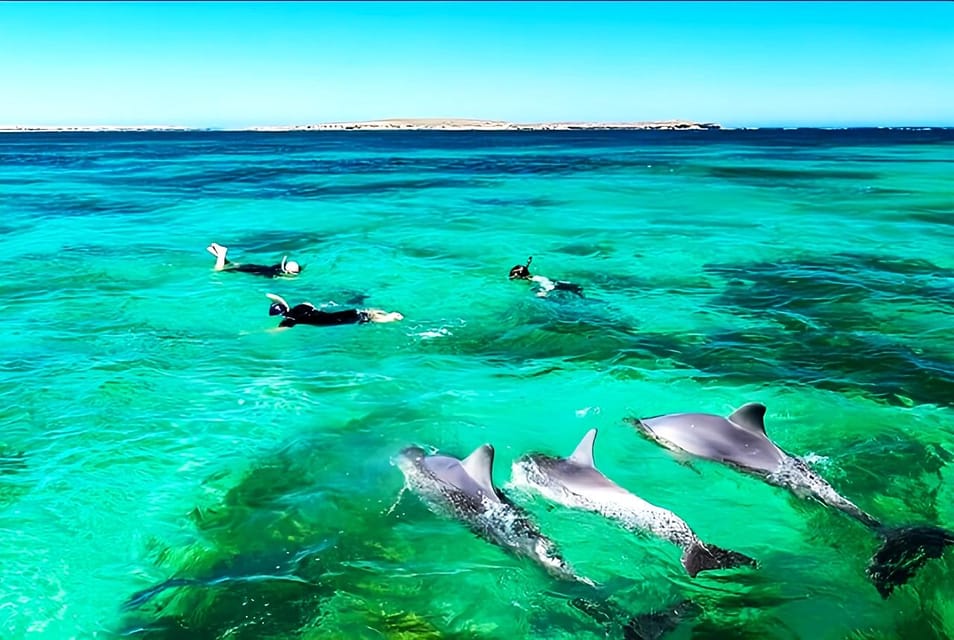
[[154, 427]]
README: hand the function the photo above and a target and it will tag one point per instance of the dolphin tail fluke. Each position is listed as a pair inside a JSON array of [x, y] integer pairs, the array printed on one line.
[[904, 550], [703, 557]]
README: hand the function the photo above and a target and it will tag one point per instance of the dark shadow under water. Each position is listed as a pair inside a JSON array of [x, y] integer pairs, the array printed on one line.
[[812, 324], [275, 561]]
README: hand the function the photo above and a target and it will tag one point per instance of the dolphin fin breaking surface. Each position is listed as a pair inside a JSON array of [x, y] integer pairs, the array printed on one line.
[[576, 483], [750, 417], [479, 466], [464, 490], [740, 441], [583, 454]]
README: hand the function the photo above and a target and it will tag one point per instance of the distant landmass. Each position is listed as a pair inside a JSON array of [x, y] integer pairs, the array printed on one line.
[[464, 124], [405, 124]]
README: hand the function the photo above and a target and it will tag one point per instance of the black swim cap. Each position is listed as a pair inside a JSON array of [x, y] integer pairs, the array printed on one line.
[[519, 271], [277, 309]]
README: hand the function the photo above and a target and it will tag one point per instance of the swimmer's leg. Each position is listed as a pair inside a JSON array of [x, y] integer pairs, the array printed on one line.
[[219, 252], [378, 315], [562, 285]]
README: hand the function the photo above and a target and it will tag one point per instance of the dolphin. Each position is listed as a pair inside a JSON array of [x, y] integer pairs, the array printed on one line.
[[740, 441], [464, 490], [576, 483]]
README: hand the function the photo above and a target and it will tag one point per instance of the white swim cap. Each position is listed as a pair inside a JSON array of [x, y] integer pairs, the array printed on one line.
[[292, 267]]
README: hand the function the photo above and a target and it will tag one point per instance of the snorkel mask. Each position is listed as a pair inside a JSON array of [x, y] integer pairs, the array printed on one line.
[[521, 271]]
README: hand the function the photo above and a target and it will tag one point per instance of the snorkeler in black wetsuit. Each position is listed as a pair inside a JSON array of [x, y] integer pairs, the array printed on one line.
[[285, 268], [544, 284], [306, 313]]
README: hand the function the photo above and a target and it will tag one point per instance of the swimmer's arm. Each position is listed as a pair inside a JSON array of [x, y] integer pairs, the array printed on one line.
[[379, 315], [546, 285], [278, 329], [284, 325]]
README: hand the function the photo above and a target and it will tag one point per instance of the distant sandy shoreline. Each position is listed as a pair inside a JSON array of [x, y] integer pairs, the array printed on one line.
[[404, 124]]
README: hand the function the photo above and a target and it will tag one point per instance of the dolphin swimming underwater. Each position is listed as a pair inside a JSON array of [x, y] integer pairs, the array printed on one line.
[[576, 483], [464, 489], [740, 441]]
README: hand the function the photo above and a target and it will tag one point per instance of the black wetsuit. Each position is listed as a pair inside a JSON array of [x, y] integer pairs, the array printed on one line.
[[272, 271], [563, 285], [305, 313]]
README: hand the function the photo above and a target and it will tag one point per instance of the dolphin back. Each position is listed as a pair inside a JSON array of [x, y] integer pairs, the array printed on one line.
[[464, 490], [575, 482], [451, 472], [472, 476], [741, 441]]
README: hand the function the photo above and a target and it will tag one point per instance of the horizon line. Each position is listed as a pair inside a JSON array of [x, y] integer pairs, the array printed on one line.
[[447, 124]]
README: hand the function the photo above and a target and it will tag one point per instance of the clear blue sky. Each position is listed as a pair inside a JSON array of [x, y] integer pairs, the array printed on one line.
[[224, 64]]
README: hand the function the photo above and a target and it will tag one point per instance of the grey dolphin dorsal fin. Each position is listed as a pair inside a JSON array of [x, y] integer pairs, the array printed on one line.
[[583, 454], [479, 466], [750, 417]]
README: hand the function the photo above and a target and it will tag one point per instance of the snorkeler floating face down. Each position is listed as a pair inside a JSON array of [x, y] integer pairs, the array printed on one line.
[[543, 284], [285, 268], [306, 313]]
